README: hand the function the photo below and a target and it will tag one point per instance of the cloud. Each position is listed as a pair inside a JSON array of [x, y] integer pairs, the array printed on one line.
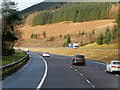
[[22, 4]]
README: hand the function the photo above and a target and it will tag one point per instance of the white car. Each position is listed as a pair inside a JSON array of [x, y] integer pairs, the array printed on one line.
[[46, 54], [26, 50], [113, 66]]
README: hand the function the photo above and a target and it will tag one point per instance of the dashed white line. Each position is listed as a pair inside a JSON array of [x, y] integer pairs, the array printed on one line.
[[76, 70], [25, 65], [117, 75], [88, 81], [96, 62], [81, 74]]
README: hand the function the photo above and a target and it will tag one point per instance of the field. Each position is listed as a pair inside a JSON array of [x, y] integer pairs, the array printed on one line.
[[104, 53], [15, 57]]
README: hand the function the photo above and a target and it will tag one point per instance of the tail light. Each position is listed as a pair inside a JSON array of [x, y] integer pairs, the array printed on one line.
[[83, 58], [113, 66], [75, 59]]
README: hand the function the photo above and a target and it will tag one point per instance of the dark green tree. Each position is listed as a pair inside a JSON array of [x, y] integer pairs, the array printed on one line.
[[32, 35], [83, 32], [52, 38], [44, 34], [79, 32], [81, 43], [107, 36], [93, 32], [114, 32], [60, 35], [9, 17], [100, 40], [35, 36], [68, 40], [64, 44], [65, 37]]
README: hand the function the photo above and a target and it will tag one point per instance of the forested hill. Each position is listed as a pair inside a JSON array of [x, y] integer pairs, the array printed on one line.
[[47, 13], [42, 6]]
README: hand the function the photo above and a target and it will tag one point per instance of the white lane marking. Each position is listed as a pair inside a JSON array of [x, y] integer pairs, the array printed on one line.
[[117, 75], [25, 65], [44, 76], [83, 77], [96, 67], [88, 81], [81, 74], [76, 70], [95, 62]]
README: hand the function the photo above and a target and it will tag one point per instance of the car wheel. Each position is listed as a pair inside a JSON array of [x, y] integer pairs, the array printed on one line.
[[73, 64], [83, 64], [109, 71]]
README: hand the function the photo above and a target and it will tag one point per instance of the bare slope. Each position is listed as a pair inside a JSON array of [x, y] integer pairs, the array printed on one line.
[[63, 28], [66, 27]]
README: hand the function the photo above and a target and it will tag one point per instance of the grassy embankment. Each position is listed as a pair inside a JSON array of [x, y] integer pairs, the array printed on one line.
[[9, 59], [101, 53]]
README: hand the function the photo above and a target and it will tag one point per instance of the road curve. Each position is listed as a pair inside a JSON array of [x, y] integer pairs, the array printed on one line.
[[28, 77], [61, 74]]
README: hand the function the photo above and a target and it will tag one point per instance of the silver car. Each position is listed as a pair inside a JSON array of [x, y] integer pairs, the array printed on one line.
[[113, 66]]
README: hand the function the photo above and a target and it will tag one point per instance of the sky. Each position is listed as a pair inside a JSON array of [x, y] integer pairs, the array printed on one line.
[[23, 4]]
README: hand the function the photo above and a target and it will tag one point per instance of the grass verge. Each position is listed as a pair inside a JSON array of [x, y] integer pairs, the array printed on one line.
[[13, 58]]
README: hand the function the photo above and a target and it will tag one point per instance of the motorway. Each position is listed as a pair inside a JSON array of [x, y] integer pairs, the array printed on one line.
[[60, 74]]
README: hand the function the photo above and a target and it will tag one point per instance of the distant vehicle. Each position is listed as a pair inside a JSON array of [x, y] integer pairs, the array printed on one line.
[[72, 45], [26, 50], [46, 54], [113, 66], [78, 59], [19, 49]]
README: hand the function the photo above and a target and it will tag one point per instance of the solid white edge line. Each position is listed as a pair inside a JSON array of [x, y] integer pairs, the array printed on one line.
[[44, 76]]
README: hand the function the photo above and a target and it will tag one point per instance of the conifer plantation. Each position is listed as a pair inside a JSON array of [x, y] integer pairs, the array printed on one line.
[[75, 12]]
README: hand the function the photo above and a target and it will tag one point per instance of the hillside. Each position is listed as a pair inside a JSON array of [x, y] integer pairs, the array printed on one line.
[[63, 28], [48, 24], [75, 12]]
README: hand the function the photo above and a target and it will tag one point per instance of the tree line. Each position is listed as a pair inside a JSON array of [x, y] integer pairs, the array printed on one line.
[[107, 37], [9, 17], [76, 12]]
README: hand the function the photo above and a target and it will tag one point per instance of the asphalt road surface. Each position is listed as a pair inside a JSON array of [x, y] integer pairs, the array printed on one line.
[[61, 74], [29, 76]]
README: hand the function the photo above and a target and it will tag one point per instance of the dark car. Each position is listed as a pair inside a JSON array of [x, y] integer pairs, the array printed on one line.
[[78, 59]]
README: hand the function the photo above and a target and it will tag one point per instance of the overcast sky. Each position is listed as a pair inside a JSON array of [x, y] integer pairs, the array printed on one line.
[[22, 4]]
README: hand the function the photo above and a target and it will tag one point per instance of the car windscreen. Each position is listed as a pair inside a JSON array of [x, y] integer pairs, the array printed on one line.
[[79, 56], [46, 52], [116, 62]]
